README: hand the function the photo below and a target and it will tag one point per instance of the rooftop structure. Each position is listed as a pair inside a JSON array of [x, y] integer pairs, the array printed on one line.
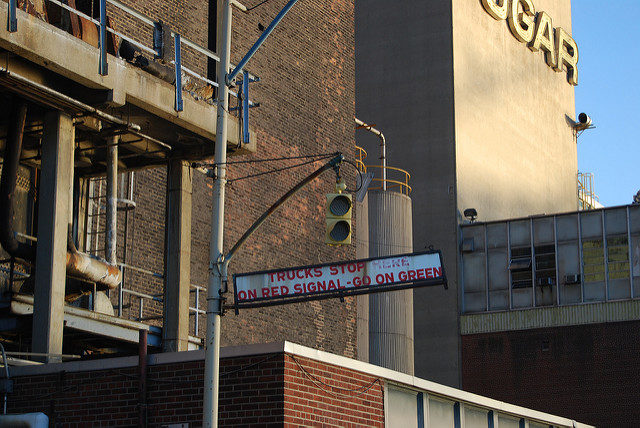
[[277, 383]]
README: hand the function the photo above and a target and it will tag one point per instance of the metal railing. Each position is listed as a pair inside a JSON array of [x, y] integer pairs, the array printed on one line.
[[399, 184], [194, 311], [361, 155], [587, 199], [399, 180], [156, 51]]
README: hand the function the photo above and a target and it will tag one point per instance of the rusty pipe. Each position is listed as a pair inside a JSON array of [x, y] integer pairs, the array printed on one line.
[[102, 273], [10, 166], [78, 264], [95, 270]]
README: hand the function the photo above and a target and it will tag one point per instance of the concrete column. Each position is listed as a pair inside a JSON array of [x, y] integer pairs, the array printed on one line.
[[362, 302], [177, 257], [53, 225]]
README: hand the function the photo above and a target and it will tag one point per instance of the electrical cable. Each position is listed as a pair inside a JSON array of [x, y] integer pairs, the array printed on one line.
[[259, 174], [359, 172], [320, 155], [317, 382], [258, 5]]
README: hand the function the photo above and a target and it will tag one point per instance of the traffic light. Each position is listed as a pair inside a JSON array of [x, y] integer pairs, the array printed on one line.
[[339, 207]]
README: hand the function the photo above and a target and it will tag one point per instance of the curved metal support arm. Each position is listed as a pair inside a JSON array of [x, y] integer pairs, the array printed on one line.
[[336, 161]]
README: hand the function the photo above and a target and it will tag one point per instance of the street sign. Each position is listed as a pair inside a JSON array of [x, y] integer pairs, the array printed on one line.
[[282, 286]]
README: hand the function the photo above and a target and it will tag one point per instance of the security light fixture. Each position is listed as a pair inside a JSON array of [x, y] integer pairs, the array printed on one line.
[[584, 122], [471, 214]]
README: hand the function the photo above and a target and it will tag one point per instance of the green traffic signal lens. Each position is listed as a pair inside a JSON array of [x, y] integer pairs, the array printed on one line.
[[340, 231], [340, 205]]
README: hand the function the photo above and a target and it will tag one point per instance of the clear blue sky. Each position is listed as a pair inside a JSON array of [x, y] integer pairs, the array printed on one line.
[[608, 37]]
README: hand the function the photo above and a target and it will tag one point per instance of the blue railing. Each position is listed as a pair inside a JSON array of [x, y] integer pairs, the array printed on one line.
[[244, 103]]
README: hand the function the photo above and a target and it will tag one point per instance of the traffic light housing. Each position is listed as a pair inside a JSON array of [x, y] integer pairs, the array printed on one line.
[[338, 219]]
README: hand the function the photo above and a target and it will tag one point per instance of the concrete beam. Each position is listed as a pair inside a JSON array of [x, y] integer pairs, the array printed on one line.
[[53, 223], [58, 51], [177, 257]]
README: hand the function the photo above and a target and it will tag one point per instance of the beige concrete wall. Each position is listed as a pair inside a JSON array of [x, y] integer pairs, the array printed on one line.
[[477, 119], [404, 85], [515, 151]]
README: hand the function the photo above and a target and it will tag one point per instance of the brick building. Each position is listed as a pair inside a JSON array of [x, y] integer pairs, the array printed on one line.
[[277, 384], [306, 96]]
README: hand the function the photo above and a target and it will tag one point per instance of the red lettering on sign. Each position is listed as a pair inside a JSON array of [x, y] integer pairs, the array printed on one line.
[[280, 276], [265, 292], [437, 271]]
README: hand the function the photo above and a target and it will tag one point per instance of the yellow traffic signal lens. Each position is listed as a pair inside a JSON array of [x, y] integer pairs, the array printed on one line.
[[340, 205]]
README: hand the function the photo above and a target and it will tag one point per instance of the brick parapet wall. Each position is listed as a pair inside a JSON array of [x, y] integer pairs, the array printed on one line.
[[321, 394], [587, 372], [258, 390]]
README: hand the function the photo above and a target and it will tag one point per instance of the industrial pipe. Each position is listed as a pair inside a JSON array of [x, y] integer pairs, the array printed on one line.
[[78, 264], [6, 372], [13, 149], [142, 378], [84, 266], [383, 148], [132, 128], [112, 199]]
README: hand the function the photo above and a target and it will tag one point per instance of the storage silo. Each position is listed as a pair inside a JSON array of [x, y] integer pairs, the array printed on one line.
[[389, 315]]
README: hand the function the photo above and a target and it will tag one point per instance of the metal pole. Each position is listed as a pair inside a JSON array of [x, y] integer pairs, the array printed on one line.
[[12, 20], [103, 67], [197, 325], [6, 371], [142, 378], [112, 198], [214, 302], [256, 45], [383, 148]]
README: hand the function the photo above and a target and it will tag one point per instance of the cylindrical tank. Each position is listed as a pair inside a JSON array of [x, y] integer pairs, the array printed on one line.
[[391, 313]]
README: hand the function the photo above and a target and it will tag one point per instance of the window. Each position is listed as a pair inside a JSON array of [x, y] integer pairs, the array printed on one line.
[[593, 260], [521, 267], [618, 257]]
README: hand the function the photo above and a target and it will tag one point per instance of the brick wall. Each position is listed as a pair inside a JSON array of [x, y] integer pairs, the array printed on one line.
[[307, 107], [320, 394], [589, 373], [269, 389]]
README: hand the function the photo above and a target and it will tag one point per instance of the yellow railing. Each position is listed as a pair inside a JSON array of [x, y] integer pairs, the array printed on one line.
[[361, 155], [587, 198], [399, 181]]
